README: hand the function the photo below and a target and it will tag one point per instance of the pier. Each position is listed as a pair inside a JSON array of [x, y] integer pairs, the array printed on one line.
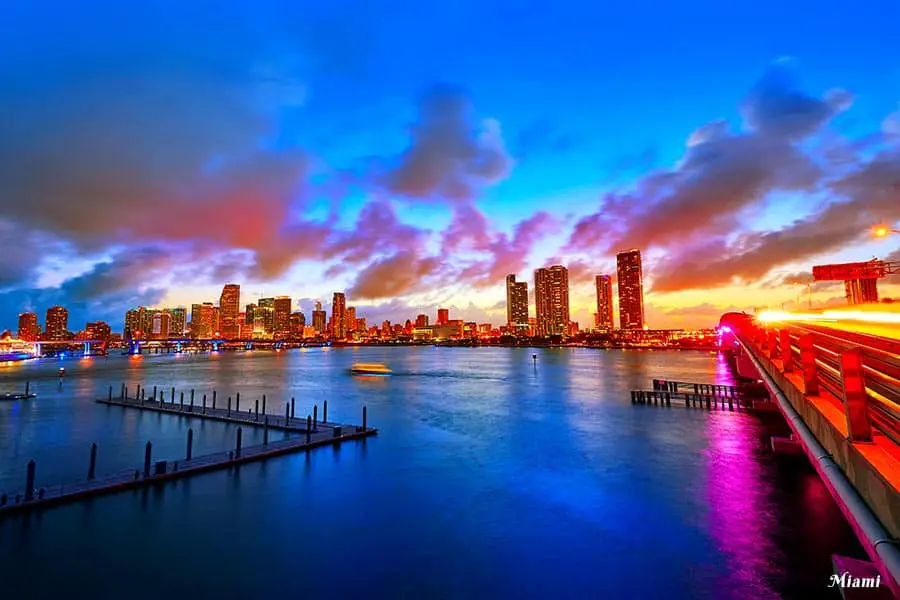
[[693, 395], [308, 433]]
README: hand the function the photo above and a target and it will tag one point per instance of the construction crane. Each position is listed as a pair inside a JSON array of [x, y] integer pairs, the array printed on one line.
[[860, 278]]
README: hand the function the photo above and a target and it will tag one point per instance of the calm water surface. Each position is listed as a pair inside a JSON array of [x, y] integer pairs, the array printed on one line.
[[489, 478]]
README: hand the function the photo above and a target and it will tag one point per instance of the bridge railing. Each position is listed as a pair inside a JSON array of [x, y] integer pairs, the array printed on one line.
[[860, 372]]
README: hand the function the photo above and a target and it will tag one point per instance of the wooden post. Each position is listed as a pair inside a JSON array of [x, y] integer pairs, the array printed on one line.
[[182, 399], [856, 402], [292, 407], [808, 363], [308, 427], [316, 417], [237, 402], [148, 451], [214, 399], [287, 414], [324, 411], [265, 430], [154, 392], [786, 353], [173, 396], [264, 404], [237, 443], [110, 391], [364, 417], [633, 399], [93, 464], [257, 411], [192, 397], [204, 404], [122, 392], [29, 480], [228, 408], [190, 444], [192, 402]]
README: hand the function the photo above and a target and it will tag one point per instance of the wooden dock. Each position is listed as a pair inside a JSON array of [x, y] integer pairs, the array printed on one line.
[[304, 434], [693, 395]]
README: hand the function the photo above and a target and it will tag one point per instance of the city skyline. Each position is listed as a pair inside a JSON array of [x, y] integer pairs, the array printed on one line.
[[427, 187]]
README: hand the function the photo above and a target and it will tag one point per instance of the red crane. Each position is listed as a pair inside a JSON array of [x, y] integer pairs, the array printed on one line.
[[860, 278]]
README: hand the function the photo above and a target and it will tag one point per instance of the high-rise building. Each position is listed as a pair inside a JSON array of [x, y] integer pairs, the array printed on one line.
[[281, 316], [551, 300], [229, 310], [57, 323], [298, 323], [97, 330], [604, 319], [350, 320], [361, 324], [443, 316], [203, 320], [631, 289], [177, 321], [264, 315], [516, 303], [249, 318], [421, 320], [318, 318], [29, 330], [339, 314], [161, 324]]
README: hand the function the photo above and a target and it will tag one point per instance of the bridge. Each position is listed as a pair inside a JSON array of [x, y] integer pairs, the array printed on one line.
[[836, 380]]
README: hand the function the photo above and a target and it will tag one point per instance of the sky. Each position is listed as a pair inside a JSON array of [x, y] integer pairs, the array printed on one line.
[[413, 155]]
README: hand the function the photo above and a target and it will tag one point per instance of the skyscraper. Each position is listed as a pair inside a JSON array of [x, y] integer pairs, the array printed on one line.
[[97, 330], [551, 300], [203, 320], [57, 323], [264, 316], [29, 330], [443, 316], [350, 320], [282, 316], [338, 315], [161, 323], [318, 318], [631, 289], [177, 321], [229, 310], [422, 321], [604, 302], [298, 323], [516, 303]]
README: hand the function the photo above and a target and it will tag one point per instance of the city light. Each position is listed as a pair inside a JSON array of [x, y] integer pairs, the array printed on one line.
[[832, 316]]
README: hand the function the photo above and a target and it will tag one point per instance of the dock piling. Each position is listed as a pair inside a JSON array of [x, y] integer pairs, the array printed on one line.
[[110, 390], [214, 399], [173, 395], [287, 414], [122, 392], [204, 404], [93, 464], [308, 427], [264, 404], [154, 392], [228, 408], [364, 418], [190, 444], [265, 430], [257, 411], [181, 399], [29, 481], [148, 452], [192, 403], [192, 397], [237, 402], [316, 417], [292, 407], [237, 443], [324, 411]]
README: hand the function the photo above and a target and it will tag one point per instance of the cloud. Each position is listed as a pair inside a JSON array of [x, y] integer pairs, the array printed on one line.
[[775, 107], [378, 230], [451, 156], [395, 275]]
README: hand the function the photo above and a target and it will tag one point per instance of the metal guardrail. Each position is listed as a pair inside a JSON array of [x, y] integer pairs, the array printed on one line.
[[825, 361]]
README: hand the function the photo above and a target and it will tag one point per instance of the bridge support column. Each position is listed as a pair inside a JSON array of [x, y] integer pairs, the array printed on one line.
[[787, 354], [856, 402], [808, 362]]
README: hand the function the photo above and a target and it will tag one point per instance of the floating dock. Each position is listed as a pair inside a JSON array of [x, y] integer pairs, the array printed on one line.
[[309, 433]]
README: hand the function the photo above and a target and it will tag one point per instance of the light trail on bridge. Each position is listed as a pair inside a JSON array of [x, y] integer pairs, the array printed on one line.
[[880, 323]]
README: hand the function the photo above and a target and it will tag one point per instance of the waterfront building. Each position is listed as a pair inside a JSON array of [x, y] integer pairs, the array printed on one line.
[[631, 289], [421, 320], [57, 326], [229, 311], [516, 304], [29, 330], [350, 320], [281, 316], [443, 315], [338, 315], [298, 323], [203, 321], [551, 300], [264, 316], [318, 318], [604, 314], [177, 321]]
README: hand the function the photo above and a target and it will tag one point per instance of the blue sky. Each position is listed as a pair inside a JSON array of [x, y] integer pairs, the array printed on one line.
[[153, 153]]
